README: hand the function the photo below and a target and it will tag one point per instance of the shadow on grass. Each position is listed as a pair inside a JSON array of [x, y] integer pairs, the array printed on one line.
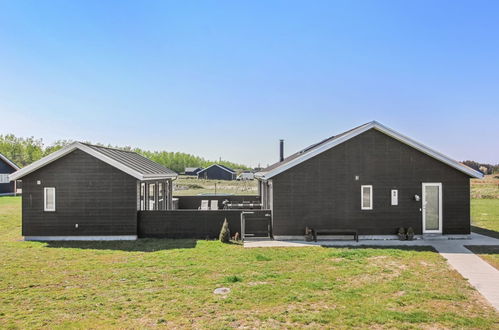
[[484, 249], [140, 245], [421, 248], [486, 232]]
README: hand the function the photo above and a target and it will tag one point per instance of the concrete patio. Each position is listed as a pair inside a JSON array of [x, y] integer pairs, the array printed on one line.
[[478, 272]]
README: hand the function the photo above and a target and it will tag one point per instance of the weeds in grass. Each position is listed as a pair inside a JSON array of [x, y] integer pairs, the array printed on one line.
[[260, 257], [233, 279]]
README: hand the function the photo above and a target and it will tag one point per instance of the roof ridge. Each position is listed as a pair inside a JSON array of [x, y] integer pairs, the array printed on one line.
[[311, 151], [105, 147]]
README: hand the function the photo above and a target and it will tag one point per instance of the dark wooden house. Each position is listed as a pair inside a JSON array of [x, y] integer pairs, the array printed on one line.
[[87, 192], [7, 167], [371, 179], [192, 170], [217, 172]]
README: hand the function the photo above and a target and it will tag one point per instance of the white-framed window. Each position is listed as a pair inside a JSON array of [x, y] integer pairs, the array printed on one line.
[[49, 199], [366, 197], [4, 178]]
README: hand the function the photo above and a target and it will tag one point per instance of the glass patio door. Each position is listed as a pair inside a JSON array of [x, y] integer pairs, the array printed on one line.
[[432, 208]]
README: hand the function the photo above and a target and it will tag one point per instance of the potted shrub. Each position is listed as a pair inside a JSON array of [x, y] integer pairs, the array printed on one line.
[[401, 234], [410, 233], [309, 234], [225, 232]]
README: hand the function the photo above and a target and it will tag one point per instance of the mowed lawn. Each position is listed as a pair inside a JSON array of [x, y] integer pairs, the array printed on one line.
[[170, 283], [485, 214]]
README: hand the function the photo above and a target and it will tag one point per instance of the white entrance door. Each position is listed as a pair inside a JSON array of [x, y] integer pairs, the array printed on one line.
[[432, 208]]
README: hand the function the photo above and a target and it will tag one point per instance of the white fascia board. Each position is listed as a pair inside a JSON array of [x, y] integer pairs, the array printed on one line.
[[317, 151], [158, 177], [42, 162], [427, 150], [66, 150], [260, 176], [416, 145], [223, 168], [8, 161]]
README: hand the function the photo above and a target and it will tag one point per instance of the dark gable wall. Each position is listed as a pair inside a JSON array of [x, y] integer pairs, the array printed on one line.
[[322, 192], [6, 169], [101, 199], [216, 173]]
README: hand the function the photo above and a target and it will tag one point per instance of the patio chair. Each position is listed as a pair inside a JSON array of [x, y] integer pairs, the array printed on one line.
[[204, 205], [214, 204]]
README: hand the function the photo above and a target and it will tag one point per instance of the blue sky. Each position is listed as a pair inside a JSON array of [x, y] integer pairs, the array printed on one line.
[[229, 78]]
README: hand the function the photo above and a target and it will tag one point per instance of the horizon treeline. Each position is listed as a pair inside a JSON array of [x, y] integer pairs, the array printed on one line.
[[24, 151]]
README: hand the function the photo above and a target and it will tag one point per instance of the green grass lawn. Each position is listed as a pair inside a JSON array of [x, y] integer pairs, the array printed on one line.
[[170, 283], [485, 214], [487, 253]]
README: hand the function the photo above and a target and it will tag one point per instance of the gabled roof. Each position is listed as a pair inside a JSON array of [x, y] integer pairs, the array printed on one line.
[[333, 141], [221, 166], [127, 161], [9, 162]]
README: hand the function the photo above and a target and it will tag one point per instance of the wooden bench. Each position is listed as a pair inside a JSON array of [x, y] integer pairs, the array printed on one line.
[[353, 232]]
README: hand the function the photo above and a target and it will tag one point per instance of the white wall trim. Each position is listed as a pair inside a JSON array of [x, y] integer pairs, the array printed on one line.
[[402, 138], [362, 206], [77, 145], [81, 238], [341, 238], [45, 195], [440, 213]]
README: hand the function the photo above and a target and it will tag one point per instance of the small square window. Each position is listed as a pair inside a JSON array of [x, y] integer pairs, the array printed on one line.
[[366, 198]]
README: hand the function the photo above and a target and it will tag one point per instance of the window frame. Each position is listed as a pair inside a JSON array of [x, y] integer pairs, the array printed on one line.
[[4, 178], [45, 191], [154, 195], [362, 206]]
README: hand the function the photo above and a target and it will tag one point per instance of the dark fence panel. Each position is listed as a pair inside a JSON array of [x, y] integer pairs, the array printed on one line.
[[191, 223], [193, 202]]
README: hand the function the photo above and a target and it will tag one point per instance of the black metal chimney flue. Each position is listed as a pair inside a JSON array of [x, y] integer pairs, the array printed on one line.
[[281, 150]]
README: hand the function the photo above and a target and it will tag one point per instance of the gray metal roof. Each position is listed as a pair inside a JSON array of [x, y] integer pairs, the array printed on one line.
[[129, 162], [133, 160], [307, 149]]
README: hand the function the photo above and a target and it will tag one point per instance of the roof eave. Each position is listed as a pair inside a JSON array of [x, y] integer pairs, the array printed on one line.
[[9, 162], [77, 145], [374, 124]]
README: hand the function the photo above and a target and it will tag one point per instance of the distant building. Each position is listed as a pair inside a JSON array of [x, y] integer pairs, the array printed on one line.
[[7, 167], [246, 175], [217, 172], [192, 170]]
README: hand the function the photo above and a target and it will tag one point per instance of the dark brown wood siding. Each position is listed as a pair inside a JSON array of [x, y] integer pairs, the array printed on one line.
[[216, 173], [197, 223], [6, 169], [323, 193], [101, 199]]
